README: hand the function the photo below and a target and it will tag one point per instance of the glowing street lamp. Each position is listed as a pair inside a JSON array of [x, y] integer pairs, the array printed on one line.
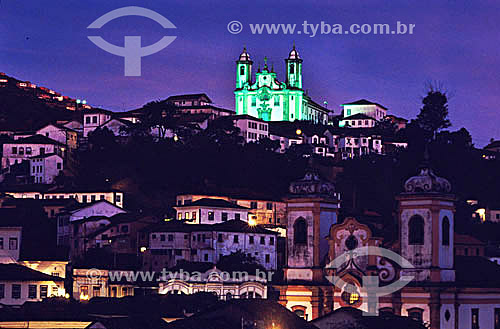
[[252, 222], [298, 132]]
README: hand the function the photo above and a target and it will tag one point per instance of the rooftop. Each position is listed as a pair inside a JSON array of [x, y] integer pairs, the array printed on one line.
[[15, 272], [36, 139], [214, 203], [365, 102]]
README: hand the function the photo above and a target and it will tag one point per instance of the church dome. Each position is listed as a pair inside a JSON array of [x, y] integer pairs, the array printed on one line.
[[294, 54], [312, 186], [426, 181], [244, 56]]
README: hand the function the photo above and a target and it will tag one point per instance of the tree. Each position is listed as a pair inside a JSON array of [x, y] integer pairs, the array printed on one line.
[[433, 116], [160, 116], [386, 127]]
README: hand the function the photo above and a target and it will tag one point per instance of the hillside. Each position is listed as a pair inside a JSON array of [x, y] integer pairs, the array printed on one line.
[[25, 106]]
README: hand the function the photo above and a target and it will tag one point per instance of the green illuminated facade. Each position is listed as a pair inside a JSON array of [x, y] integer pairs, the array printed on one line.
[[271, 100]]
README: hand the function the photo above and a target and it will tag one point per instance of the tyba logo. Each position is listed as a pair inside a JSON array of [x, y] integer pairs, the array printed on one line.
[[132, 50]]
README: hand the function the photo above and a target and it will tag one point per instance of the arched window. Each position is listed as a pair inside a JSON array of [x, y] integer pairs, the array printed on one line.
[[445, 231], [292, 68], [300, 311], [242, 70], [416, 230], [416, 314], [386, 310], [300, 231]]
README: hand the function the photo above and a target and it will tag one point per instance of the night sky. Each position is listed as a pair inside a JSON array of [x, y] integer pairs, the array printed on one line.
[[454, 42]]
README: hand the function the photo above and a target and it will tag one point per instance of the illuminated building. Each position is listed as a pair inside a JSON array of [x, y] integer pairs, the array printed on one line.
[[269, 99]]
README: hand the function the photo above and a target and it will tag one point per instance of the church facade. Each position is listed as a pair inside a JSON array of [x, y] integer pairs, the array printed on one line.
[[442, 290], [269, 99]]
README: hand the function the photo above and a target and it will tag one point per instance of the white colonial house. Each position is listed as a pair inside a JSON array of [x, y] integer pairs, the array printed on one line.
[[225, 284], [20, 284], [174, 241], [211, 211], [81, 195], [44, 168], [117, 126], [359, 144], [262, 210], [363, 106], [359, 120], [93, 119], [60, 133], [93, 282], [80, 212], [251, 128], [10, 241], [23, 149]]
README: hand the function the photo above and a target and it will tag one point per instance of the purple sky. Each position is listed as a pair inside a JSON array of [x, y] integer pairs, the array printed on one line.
[[454, 42]]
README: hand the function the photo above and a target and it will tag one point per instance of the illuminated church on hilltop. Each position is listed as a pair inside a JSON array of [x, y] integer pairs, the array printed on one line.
[[271, 100]]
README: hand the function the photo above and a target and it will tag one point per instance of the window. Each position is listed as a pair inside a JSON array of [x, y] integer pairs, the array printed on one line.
[[94, 119], [16, 291], [14, 150], [32, 291], [276, 101], [87, 119], [206, 257], [179, 215], [186, 237], [250, 239], [237, 216], [153, 236], [253, 205], [92, 198], [96, 291], [219, 238], [262, 240], [162, 237], [292, 68], [59, 167], [170, 237], [118, 198], [300, 311], [235, 239], [42, 150], [242, 70], [416, 314], [178, 252], [474, 318], [254, 101], [211, 215], [416, 230], [84, 198], [1, 243], [348, 112], [21, 150], [28, 150], [193, 215], [445, 232], [300, 231], [12, 243], [497, 315], [2, 290], [224, 216], [125, 228], [271, 241], [269, 206], [268, 258]]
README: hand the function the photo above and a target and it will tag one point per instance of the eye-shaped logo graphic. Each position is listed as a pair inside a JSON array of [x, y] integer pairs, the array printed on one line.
[[370, 289], [132, 50]]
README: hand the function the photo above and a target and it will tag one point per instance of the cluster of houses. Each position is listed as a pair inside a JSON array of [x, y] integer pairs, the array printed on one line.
[[39, 157]]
